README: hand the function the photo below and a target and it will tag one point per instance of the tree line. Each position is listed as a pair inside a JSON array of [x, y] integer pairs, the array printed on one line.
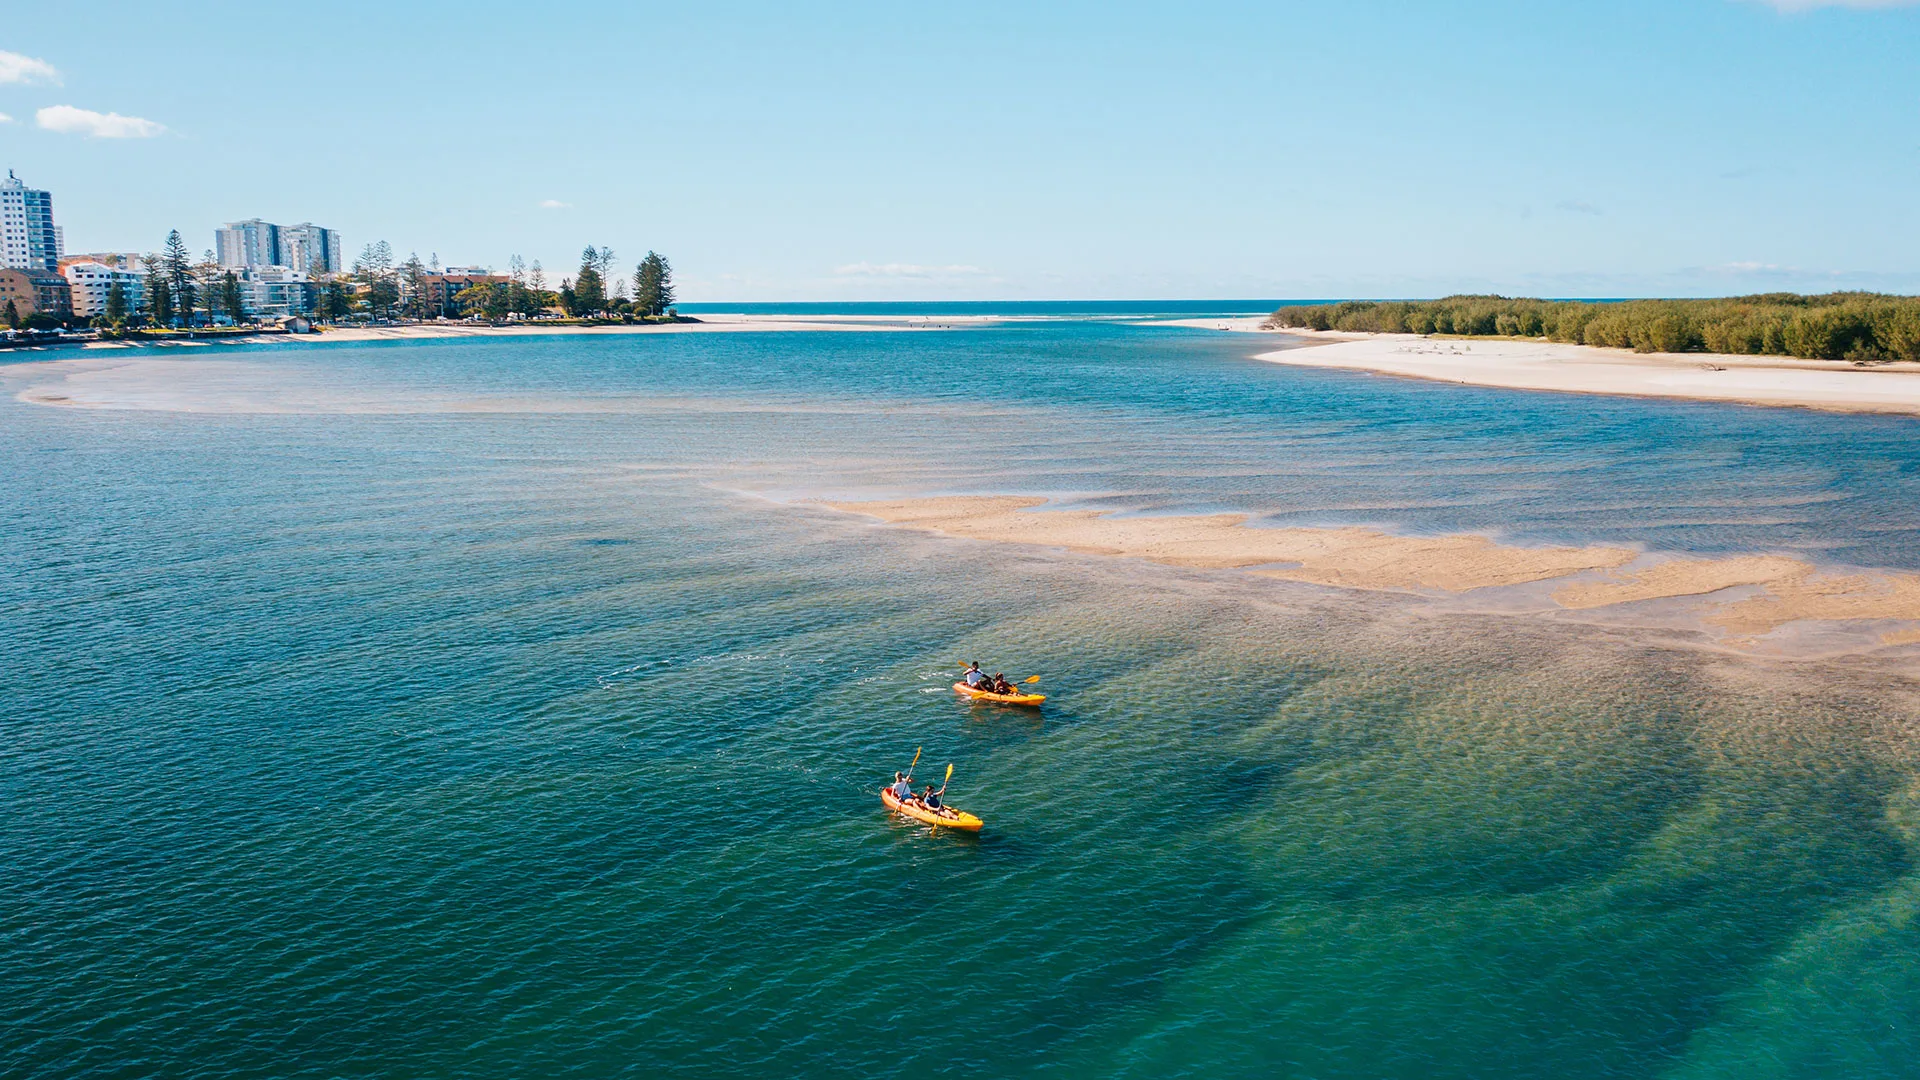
[[181, 290], [1858, 326], [178, 291], [594, 291]]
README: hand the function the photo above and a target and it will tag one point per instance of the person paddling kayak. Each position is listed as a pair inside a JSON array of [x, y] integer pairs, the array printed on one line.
[[974, 675], [931, 798], [929, 806]]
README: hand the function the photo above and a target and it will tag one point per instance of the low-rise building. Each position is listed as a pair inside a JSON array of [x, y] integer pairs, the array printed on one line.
[[91, 283], [36, 292], [124, 260], [276, 292], [449, 283]]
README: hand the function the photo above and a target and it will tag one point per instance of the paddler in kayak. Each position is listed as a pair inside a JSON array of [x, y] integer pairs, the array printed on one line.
[[931, 799], [902, 787], [929, 806], [1000, 685], [975, 676]]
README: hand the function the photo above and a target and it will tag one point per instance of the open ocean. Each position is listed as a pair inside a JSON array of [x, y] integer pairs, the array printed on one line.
[[501, 708]]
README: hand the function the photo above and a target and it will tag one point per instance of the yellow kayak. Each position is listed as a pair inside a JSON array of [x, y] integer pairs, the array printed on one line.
[[1004, 699], [959, 820]]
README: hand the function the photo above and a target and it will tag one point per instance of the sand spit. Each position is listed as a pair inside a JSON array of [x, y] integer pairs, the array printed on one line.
[[1826, 597], [1791, 590], [1538, 365], [1354, 558], [1680, 577], [708, 324]]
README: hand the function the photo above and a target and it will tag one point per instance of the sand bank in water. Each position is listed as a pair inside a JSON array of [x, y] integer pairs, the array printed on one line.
[[1538, 365], [715, 323], [1351, 557], [1358, 558], [1792, 591]]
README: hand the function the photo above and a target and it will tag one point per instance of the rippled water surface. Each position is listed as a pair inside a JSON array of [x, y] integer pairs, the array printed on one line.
[[491, 708]]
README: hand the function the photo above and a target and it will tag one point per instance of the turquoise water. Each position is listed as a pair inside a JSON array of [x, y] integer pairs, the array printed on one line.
[[493, 708]]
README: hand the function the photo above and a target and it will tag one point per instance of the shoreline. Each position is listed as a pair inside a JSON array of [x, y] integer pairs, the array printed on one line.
[[714, 323], [1528, 364]]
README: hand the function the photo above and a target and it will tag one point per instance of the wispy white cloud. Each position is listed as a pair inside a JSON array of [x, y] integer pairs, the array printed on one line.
[[5, 119], [904, 270], [15, 68], [554, 204], [69, 120], [1809, 5]]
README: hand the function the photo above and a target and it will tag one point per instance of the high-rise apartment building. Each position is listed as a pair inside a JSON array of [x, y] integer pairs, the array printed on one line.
[[239, 245], [311, 249], [28, 238], [255, 244]]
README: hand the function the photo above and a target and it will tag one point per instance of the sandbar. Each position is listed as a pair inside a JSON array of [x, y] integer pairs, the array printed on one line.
[[1789, 590], [1831, 385], [715, 323], [1349, 557]]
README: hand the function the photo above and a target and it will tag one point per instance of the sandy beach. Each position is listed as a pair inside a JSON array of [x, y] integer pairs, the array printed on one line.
[[718, 323], [1539, 365], [1773, 591]]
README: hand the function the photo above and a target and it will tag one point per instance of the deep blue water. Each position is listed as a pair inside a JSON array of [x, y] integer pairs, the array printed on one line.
[[464, 708]]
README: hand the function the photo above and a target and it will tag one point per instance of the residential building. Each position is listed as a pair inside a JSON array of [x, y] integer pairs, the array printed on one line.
[[444, 286], [35, 292], [311, 250], [275, 292], [91, 283], [254, 244], [125, 260], [241, 245], [28, 237]]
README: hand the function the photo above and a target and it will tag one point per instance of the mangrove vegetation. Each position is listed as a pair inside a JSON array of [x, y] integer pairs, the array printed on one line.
[[1857, 326]]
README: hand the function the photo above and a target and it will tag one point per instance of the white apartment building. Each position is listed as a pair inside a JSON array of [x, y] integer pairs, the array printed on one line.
[[241, 245], [254, 244], [28, 238], [275, 292], [91, 283], [311, 250]]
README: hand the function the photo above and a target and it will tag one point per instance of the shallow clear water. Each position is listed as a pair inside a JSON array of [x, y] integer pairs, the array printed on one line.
[[355, 728]]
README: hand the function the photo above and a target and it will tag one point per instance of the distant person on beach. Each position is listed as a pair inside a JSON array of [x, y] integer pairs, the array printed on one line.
[[975, 676]]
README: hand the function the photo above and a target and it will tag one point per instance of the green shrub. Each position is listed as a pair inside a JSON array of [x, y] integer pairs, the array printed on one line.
[[1864, 327]]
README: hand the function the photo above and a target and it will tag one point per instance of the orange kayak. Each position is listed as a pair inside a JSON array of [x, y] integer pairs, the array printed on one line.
[[960, 819], [1004, 699]]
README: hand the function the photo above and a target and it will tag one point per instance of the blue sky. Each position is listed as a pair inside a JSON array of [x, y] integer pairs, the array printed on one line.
[[984, 150]]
